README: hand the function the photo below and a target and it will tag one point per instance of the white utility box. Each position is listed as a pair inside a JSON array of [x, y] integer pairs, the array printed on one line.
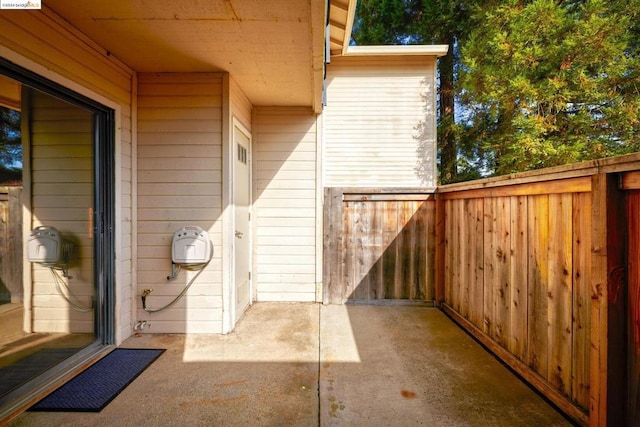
[[191, 245], [45, 246]]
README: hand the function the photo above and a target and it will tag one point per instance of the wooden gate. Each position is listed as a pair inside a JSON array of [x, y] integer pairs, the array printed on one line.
[[378, 245]]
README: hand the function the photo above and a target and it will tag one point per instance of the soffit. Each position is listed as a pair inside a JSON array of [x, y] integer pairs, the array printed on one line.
[[269, 48]]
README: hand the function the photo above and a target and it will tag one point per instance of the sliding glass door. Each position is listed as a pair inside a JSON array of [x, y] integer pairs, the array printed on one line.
[[56, 227]]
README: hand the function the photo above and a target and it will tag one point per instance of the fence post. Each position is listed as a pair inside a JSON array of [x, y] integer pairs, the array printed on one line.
[[608, 290]]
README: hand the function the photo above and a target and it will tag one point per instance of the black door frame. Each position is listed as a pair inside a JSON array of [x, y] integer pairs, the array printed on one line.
[[104, 239]]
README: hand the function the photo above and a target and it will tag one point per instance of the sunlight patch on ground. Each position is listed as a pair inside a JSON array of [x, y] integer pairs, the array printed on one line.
[[337, 340], [262, 338]]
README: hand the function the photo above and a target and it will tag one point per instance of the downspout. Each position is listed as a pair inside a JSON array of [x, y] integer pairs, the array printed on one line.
[[319, 164]]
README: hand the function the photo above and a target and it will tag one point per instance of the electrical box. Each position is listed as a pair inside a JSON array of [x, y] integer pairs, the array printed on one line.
[[47, 246], [191, 245]]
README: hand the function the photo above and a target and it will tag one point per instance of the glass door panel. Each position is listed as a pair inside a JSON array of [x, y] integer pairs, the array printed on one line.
[[48, 288]]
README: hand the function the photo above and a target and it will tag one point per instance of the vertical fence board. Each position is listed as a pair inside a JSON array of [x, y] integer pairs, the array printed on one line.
[[581, 298], [417, 240], [372, 248], [449, 255], [422, 242], [560, 292], [432, 264], [440, 255], [466, 256], [538, 208], [462, 286], [459, 252], [395, 289], [348, 250], [390, 254], [406, 264], [490, 271], [502, 293], [362, 250], [456, 248], [476, 288], [519, 266], [375, 276]]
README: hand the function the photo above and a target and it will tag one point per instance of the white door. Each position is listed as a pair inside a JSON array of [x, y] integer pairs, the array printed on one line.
[[242, 203]]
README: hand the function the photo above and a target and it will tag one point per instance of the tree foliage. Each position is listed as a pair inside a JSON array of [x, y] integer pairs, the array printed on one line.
[[549, 82], [10, 146]]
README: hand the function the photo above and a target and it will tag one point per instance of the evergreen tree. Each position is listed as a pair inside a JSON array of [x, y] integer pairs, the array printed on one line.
[[552, 82], [10, 146]]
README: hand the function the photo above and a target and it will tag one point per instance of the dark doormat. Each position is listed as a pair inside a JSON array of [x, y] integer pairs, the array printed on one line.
[[95, 387]]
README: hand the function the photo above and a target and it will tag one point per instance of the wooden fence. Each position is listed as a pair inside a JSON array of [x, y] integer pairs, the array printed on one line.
[[543, 268], [515, 268], [11, 244], [379, 245]]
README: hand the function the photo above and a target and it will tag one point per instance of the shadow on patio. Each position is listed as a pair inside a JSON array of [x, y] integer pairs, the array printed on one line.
[[309, 364]]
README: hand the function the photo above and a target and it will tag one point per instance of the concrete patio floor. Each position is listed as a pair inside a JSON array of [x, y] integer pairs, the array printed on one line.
[[308, 365]]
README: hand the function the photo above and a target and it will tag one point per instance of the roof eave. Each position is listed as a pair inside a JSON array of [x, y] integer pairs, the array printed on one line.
[[401, 50]]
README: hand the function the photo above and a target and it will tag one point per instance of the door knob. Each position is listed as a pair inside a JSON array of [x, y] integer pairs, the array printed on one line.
[[238, 234]]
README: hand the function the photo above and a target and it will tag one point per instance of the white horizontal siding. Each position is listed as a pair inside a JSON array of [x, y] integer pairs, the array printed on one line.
[[240, 105], [285, 204], [179, 183], [379, 122], [44, 43]]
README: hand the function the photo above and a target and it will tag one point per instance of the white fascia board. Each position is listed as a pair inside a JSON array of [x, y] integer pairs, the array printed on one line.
[[400, 50]]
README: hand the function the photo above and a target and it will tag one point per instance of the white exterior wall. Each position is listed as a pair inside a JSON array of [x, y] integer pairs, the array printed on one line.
[[380, 122], [45, 44], [285, 204], [179, 184], [241, 107]]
